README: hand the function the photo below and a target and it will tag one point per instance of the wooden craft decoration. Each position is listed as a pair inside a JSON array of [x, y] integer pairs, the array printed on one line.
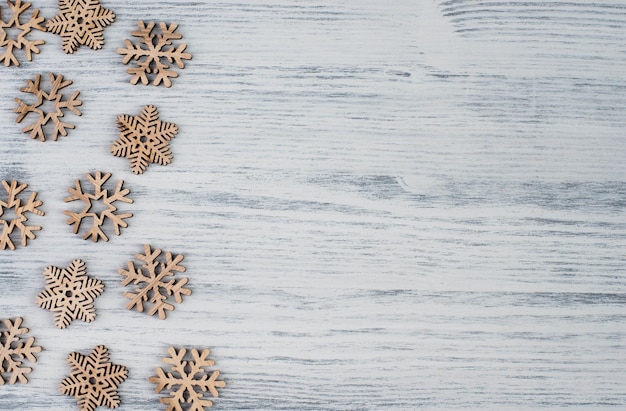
[[14, 203], [155, 282], [11, 44], [154, 54], [188, 381], [100, 195], [70, 293], [81, 22], [94, 380], [144, 139], [14, 348], [60, 106]]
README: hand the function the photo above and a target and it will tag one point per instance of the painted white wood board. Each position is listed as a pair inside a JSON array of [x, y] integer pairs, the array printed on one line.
[[408, 204]]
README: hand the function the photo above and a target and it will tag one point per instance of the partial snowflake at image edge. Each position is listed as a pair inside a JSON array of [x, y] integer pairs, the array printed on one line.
[[30, 46], [154, 54], [102, 195], [69, 293], [14, 348], [188, 380], [36, 129], [154, 285], [81, 22], [14, 203], [144, 139]]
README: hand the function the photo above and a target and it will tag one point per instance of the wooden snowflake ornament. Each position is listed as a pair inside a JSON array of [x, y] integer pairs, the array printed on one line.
[[155, 281], [154, 54], [14, 203], [144, 139], [81, 22], [102, 196], [14, 348], [188, 381], [94, 379], [60, 105], [70, 293], [16, 22]]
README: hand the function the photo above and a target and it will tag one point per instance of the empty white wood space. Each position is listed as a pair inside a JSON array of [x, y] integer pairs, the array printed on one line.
[[411, 204]]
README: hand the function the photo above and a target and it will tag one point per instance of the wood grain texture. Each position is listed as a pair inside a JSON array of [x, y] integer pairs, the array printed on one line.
[[382, 205]]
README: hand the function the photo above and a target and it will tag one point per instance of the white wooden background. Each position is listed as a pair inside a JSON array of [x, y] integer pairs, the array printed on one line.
[[409, 204]]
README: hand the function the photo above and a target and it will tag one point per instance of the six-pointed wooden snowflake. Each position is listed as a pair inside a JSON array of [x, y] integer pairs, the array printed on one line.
[[94, 379], [81, 22], [14, 348], [144, 139], [37, 128], [70, 293], [188, 381], [155, 282], [14, 203], [154, 54], [11, 44], [102, 196]]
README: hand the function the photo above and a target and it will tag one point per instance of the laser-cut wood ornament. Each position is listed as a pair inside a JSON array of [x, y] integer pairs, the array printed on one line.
[[154, 54], [102, 196], [14, 203], [60, 104], [81, 22], [155, 281], [144, 139], [18, 8], [188, 380], [14, 349], [94, 380], [70, 293]]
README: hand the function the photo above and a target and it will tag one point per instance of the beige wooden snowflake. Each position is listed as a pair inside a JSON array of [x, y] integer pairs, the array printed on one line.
[[14, 203], [102, 196], [70, 293], [94, 380], [188, 381], [81, 22], [154, 54], [14, 348], [144, 139], [21, 42], [60, 104], [155, 281]]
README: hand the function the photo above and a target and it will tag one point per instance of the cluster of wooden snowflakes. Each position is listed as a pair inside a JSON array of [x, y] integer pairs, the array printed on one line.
[[69, 293]]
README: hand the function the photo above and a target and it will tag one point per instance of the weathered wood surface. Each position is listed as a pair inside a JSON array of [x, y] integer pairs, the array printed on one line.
[[382, 205]]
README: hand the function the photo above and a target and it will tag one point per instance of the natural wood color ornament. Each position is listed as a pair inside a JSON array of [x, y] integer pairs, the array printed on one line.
[[14, 348], [154, 278], [103, 196], [70, 293], [94, 380], [14, 203], [30, 46], [190, 379], [144, 139], [154, 54], [60, 105], [81, 22]]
